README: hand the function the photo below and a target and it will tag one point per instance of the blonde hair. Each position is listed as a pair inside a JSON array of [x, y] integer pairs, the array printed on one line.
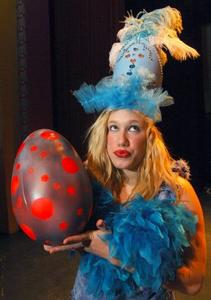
[[154, 170]]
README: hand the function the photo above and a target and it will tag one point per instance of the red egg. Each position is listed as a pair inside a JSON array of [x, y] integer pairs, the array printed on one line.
[[51, 191]]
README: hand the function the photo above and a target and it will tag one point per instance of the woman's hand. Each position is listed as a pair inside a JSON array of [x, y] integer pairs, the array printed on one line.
[[88, 241]]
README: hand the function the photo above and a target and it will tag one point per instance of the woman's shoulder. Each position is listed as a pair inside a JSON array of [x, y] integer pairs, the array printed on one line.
[[188, 196]]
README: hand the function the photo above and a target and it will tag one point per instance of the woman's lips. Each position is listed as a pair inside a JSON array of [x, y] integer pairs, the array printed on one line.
[[122, 153]]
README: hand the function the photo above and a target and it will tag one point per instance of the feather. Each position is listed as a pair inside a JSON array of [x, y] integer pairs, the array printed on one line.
[[148, 237], [182, 168], [161, 27], [123, 93], [116, 47]]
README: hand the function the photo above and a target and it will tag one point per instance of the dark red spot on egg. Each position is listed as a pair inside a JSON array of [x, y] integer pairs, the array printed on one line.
[[19, 202], [69, 165], [63, 225], [42, 208], [56, 186], [44, 178], [87, 189], [28, 231], [80, 211], [14, 184], [83, 224], [49, 135], [20, 148], [43, 154], [33, 148], [58, 144], [90, 212], [30, 170], [18, 165], [71, 190]]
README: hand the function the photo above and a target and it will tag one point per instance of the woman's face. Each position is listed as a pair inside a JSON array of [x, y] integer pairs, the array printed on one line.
[[126, 139]]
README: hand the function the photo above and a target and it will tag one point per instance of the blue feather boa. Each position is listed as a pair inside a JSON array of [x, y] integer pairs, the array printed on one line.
[[147, 237], [123, 93]]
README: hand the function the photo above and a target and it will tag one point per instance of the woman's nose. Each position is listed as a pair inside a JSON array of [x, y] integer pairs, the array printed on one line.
[[122, 139]]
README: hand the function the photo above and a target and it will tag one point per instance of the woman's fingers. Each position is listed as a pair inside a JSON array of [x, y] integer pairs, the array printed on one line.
[[47, 247], [79, 238], [100, 224], [54, 249]]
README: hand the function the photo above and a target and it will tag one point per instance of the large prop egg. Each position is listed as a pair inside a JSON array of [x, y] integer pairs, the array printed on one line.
[[51, 191]]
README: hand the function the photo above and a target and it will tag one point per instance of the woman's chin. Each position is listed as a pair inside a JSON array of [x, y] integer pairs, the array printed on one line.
[[125, 166]]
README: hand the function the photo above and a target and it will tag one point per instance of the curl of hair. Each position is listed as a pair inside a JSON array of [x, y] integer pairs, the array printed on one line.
[[156, 167], [154, 170]]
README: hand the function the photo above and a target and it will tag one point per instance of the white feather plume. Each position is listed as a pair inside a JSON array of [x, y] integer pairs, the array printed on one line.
[[161, 28], [116, 47]]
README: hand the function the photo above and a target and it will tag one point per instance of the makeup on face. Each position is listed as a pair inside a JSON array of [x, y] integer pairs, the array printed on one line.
[[126, 139], [122, 153]]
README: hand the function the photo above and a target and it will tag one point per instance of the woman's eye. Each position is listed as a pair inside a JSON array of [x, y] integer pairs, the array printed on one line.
[[112, 128], [134, 128]]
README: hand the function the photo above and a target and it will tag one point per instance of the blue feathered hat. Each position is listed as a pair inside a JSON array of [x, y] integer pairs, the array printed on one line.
[[137, 62]]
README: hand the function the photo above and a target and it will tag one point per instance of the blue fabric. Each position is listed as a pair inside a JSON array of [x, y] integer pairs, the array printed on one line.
[[158, 232], [123, 93], [79, 292]]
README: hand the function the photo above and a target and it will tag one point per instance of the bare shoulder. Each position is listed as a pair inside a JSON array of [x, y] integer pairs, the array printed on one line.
[[188, 197]]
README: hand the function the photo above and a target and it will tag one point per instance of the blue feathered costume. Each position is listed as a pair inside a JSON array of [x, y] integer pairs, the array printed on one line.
[[148, 237]]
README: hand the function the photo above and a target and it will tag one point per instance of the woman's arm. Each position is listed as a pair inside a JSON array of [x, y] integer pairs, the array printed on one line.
[[89, 241], [189, 278]]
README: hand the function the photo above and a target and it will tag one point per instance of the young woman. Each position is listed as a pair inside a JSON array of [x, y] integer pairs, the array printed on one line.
[[146, 235], [127, 157]]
